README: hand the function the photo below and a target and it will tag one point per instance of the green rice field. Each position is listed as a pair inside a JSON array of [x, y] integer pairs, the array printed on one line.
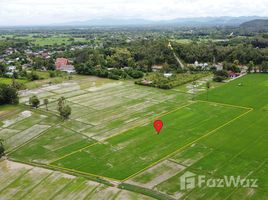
[[110, 137]]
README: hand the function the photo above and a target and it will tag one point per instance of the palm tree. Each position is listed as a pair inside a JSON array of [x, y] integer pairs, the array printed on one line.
[[2, 150], [46, 103], [208, 85], [194, 85]]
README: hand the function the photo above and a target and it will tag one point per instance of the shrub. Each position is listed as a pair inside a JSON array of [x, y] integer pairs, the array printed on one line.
[[8, 95]]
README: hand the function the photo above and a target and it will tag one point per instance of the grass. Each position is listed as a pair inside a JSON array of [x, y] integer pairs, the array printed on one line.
[[237, 149], [8, 81], [245, 95], [57, 39], [142, 147], [58, 141], [20, 181]]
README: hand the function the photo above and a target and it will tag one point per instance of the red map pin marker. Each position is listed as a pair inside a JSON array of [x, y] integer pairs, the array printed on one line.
[[158, 124]]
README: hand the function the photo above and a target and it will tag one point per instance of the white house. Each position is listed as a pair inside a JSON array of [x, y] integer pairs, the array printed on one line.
[[11, 68], [167, 75]]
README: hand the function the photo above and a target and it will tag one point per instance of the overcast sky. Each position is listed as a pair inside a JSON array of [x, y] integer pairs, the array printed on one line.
[[41, 12]]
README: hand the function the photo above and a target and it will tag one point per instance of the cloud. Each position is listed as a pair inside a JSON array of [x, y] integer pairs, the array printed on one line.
[[32, 12]]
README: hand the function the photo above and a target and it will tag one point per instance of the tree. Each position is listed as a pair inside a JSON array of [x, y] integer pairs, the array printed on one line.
[[64, 110], [61, 103], [194, 83], [208, 86], [46, 103], [264, 66], [250, 66], [34, 101], [2, 149], [8, 94]]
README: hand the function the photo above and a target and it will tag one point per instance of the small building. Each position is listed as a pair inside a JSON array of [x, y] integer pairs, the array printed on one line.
[[63, 64], [157, 67], [232, 74], [219, 66], [146, 82], [11, 68], [167, 75], [67, 68]]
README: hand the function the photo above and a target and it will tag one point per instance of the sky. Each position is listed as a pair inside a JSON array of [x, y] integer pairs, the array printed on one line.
[[45, 12]]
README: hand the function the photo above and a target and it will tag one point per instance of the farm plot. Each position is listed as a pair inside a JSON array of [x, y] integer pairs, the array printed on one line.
[[237, 149], [107, 108], [23, 127], [20, 181], [249, 91], [57, 142], [89, 122], [123, 155]]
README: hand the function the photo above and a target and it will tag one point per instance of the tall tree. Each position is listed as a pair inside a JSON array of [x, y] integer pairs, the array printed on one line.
[[34, 101], [208, 86], [46, 103], [2, 149]]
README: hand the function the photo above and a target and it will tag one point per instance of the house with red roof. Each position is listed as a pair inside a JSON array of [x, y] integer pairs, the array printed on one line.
[[63, 64]]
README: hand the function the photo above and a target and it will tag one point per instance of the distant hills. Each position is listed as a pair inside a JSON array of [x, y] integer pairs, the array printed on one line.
[[255, 25], [198, 21]]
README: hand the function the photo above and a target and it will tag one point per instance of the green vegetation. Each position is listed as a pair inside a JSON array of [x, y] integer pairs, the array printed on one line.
[[206, 138], [2, 148], [148, 146], [8, 81], [64, 110], [22, 181], [34, 101], [8, 94], [108, 131], [160, 81], [238, 92], [237, 149]]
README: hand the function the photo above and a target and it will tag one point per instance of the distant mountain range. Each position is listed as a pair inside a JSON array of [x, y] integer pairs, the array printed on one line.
[[198, 21], [255, 25]]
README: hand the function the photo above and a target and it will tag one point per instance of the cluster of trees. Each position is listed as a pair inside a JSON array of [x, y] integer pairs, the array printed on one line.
[[112, 73], [19, 73], [160, 81], [220, 75], [64, 109], [210, 52], [8, 94], [125, 61]]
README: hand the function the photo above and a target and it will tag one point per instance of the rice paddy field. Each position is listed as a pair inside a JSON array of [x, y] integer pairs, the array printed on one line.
[[110, 140]]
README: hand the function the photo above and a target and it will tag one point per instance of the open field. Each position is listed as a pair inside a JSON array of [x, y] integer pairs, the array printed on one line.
[[142, 147], [252, 92], [8, 81], [110, 135], [20, 181], [57, 39]]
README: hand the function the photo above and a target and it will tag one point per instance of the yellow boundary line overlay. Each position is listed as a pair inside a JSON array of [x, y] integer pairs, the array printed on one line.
[[84, 173], [100, 141], [187, 145], [167, 156], [224, 104]]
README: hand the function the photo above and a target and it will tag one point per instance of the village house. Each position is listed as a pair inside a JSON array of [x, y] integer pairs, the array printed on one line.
[[63, 64], [157, 68], [232, 74], [218, 66], [167, 75], [201, 65]]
